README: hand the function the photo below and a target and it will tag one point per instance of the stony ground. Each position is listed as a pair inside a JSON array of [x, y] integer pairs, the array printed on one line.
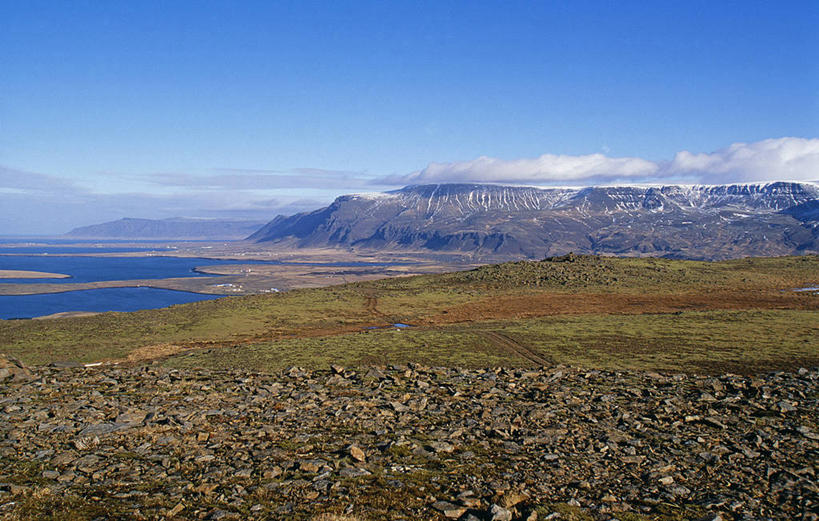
[[406, 443]]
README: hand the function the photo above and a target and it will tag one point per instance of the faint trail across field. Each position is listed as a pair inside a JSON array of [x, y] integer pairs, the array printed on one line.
[[514, 347], [371, 305], [499, 339]]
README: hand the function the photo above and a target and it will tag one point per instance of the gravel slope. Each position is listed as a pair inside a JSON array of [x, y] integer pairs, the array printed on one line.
[[406, 443]]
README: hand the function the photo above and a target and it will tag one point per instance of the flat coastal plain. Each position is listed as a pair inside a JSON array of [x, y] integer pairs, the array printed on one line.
[[291, 269], [618, 313]]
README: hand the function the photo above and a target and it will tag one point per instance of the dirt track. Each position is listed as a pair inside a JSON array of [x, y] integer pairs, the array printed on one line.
[[514, 347], [507, 307]]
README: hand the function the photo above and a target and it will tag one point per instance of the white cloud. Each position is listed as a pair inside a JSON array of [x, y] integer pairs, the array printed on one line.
[[32, 202], [788, 158], [546, 168]]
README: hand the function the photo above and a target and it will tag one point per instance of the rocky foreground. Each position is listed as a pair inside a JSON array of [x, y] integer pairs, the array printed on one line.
[[406, 443]]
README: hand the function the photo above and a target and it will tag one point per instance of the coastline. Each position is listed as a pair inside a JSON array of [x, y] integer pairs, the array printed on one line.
[[242, 279], [28, 274], [287, 269]]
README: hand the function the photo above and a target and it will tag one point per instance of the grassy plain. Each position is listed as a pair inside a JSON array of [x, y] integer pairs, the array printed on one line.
[[623, 313]]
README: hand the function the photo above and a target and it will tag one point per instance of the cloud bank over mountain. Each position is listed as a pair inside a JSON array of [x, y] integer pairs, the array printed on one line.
[[35, 202], [787, 158], [790, 158], [548, 167]]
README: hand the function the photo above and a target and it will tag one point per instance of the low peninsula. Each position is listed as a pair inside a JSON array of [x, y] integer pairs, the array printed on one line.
[[26, 274]]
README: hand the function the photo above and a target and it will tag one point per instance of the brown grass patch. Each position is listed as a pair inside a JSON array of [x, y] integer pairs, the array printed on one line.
[[551, 304]]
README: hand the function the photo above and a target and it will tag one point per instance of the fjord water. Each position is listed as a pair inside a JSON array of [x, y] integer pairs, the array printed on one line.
[[94, 269], [98, 300], [55, 258], [58, 258]]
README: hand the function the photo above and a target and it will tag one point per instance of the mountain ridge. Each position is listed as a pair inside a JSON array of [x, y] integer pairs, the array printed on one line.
[[679, 221], [174, 228]]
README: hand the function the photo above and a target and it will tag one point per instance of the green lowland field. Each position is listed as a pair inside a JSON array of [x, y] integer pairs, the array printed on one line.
[[740, 316]]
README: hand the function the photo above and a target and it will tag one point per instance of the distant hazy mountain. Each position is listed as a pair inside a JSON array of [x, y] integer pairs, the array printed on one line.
[[710, 222], [174, 228]]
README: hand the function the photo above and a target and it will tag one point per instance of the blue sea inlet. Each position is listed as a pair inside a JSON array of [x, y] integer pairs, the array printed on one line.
[[53, 259], [93, 269], [97, 300]]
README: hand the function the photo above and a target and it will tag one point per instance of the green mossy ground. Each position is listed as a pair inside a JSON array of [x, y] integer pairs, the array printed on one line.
[[317, 327]]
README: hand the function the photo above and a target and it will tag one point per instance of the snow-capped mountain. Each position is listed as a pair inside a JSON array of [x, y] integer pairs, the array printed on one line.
[[678, 221]]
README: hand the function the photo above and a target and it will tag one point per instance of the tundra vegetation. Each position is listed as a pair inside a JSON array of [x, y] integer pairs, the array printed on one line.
[[608, 313]]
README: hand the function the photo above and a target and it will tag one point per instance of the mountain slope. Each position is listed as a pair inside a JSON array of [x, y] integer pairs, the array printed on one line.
[[174, 228], [705, 222]]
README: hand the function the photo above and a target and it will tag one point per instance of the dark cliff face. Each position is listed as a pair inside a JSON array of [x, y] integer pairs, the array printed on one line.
[[709, 222]]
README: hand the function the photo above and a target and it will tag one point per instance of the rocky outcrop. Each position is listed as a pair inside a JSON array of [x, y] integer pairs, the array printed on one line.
[[13, 370], [408, 442]]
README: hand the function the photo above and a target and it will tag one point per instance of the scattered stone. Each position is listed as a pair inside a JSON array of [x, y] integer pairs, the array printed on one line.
[[375, 373], [353, 472], [65, 364], [448, 509], [498, 513], [101, 429], [511, 499], [309, 466], [356, 453], [131, 417], [86, 443], [471, 502], [439, 442], [272, 472], [442, 446], [806, 432]]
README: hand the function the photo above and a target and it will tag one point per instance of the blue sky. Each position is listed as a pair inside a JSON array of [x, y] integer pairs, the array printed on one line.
[[249, 109]]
